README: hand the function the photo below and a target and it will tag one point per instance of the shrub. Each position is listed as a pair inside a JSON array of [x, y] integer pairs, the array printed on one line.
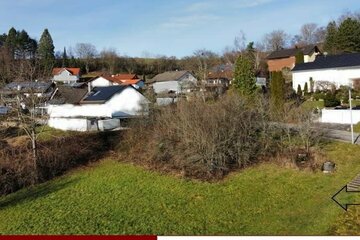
[[55, 157], [318, 95], [203, 140], [330, 100]]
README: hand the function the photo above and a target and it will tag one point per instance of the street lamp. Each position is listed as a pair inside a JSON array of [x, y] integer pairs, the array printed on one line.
[[351, 120]]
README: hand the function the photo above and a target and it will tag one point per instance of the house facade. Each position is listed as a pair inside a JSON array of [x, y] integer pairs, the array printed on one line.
[[66, 75], [285, 58], [327, 71], [174, 81], [101, 109]]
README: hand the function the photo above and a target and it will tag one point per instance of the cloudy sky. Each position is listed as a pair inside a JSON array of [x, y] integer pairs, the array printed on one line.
[[168, 27]]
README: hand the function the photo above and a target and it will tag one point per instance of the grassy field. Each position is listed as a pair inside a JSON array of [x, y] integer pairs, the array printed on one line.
[[119, 198]]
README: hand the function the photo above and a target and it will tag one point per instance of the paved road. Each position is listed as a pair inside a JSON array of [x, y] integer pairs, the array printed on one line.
[[338, 132]]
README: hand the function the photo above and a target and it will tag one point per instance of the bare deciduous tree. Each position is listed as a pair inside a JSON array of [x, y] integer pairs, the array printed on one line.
[[109, 58], [276, 40], [87, 52]]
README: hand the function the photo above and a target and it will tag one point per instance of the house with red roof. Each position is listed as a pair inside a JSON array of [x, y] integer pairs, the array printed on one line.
[[66, 75], [118, 79]]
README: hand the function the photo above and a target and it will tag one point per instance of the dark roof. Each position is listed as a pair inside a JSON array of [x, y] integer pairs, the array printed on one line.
[[285, 53], [334, 61], [68, 95], [102, 94], [222, 71], [169, 76], [38, 87]]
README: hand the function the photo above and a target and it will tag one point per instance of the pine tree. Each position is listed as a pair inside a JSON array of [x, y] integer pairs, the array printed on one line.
[[348, 36], [277, 88], [245, 81], [330, 44], [45, 52], [299, 57], [65, 60], [312, 85], [299, 91], [11, 42], [306, 88]]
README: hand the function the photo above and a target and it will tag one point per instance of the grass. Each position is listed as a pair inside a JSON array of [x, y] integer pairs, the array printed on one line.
[[309, 105], [119, 198]]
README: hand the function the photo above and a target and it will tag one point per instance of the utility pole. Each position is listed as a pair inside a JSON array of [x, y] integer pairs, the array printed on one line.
[[351, 119]]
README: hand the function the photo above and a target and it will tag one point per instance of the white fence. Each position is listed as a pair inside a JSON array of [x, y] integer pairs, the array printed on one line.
[[341, 116]]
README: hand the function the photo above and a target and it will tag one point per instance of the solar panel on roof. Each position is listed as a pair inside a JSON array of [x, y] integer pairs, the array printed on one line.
[[104, 93]]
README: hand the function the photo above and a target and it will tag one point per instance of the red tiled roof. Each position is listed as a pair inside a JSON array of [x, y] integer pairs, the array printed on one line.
[[130, 82], [73, 71], [124, 76]]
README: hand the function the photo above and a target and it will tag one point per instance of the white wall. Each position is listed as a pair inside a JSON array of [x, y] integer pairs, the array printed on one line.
[[101, 82], [65, 76], [69, 124], [338, 77], [127, 103], [341, 116], [167, 86], [176, 86]]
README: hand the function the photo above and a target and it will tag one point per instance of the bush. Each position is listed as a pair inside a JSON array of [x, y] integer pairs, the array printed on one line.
[[330, 100], [54, 158], [318, 95], [203, 140]]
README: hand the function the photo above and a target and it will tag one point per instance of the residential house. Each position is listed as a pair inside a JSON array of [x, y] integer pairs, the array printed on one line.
[[66, 75], [219, 78], [118, 79], [286, 58], [326, 71], [100, 109], [10, 93], [173, 82]]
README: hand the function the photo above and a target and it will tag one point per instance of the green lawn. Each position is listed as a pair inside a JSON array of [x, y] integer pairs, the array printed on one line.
[[119, 198]]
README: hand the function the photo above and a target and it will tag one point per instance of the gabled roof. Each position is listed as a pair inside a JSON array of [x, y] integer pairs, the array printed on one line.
[[286, 53], [102, 94], [121, 79], [169, 76], [73, 71], [125, 76], [68, 95], [38, 87], [222, 71], [332, 61]]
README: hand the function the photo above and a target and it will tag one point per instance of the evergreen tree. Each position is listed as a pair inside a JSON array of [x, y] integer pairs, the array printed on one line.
[[299, 57], [11, 42], [45, 52], [348, 36], [330, 44], [245, 80], [65, 60], [277, 88], [312, 85], [306, 88], [299, 91]]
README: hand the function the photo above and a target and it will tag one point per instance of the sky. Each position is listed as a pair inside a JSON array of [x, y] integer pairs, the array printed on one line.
[[141, 28]]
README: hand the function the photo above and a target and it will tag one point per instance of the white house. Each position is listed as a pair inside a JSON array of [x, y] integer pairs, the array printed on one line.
[[325, 71], [118, 79], [174, 81], [101, 109], [66, 75]]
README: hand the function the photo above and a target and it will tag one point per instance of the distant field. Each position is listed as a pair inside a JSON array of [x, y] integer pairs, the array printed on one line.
[[118, 198]]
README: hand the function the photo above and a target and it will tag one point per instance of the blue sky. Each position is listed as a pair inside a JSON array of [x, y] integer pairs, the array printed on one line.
[[172, 27]]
